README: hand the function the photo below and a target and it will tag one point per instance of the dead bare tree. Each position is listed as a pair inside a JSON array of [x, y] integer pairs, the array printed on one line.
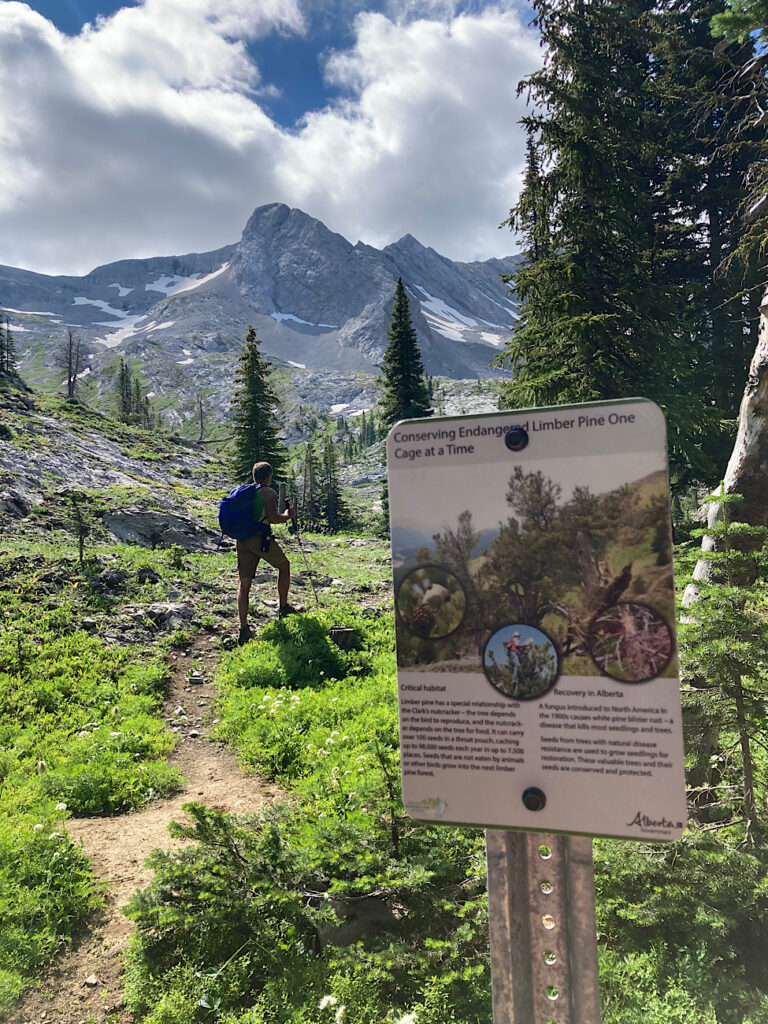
[[71, 360]]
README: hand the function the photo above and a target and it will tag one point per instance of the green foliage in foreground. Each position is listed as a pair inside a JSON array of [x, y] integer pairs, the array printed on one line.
[[337, 894], [79, 735], [684, 927]]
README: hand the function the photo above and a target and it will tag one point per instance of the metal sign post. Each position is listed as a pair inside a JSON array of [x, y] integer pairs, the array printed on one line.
[[541, 905], [537, 666]]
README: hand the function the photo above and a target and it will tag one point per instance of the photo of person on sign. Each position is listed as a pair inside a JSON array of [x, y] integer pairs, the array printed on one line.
[[521, 661]]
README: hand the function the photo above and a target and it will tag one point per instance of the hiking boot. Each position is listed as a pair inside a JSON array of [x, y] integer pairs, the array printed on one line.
[[287, 609], [244, 635]]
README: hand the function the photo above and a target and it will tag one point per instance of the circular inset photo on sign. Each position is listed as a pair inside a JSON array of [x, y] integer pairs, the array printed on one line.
[[431, 602], [630, 642], [521, 662]]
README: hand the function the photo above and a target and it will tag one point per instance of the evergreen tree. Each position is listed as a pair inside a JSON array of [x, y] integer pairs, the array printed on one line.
[[254, 403], [133, 404], [405, 390], [310, 491], [705, 168], [124, 393], [724, 637], [746, 22], [334, 512], [600, 317]]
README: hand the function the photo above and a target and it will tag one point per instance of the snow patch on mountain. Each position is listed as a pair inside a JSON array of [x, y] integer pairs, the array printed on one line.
[[122, 291], [493, 339], [297, 319], [123, 332], [447, 331], [30, 312], [81, 300], [169, 284], [442, 310], [203, 280]]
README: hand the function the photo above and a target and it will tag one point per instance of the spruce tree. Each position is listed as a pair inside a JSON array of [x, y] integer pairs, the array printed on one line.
[[310, 491], [124, 393], [724, 636], [333, 509], [705, 164], [405, 389], [600, 317], [253, 407]]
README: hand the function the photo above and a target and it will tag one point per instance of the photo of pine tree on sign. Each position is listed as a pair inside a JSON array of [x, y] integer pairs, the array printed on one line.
[[563, 558]]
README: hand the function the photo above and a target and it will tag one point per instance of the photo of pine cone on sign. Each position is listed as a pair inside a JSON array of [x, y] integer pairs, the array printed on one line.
[[431, 602]]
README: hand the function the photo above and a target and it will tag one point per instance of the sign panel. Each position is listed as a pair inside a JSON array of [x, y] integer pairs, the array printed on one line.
[[536, 648]]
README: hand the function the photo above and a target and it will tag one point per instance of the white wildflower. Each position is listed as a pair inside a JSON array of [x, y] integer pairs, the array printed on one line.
[[61, 807], [408, 1018], [36, 828], [327, 1001], [340, 1013]]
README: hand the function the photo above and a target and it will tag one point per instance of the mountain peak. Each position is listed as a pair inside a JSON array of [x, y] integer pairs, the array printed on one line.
[[407, 242]]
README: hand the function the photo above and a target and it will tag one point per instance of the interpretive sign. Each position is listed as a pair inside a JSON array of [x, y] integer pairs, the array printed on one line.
[[536, 649]]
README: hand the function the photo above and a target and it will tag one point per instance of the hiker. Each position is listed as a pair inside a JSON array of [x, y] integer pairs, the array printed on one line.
[[263, 545], [514, 647]]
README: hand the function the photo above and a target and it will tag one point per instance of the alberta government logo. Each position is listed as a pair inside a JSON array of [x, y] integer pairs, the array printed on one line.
[[643, 821]]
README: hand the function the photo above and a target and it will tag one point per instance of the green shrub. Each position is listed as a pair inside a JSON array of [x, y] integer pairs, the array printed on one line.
[[79, 733], [46, 890]]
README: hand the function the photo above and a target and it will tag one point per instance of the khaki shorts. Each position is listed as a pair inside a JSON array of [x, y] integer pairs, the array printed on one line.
[[249, 554]]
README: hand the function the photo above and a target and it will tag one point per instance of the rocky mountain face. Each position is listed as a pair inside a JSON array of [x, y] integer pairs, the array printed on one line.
[[321, 307]]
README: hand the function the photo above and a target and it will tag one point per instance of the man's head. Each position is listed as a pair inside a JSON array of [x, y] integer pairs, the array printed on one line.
[[262, 473]]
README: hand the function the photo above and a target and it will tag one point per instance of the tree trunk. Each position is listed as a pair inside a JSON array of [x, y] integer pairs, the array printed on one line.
[[750, 808], [746, 474], [747, 470]]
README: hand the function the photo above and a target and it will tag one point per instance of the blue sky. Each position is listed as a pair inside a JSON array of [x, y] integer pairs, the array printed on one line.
[[156, 127]]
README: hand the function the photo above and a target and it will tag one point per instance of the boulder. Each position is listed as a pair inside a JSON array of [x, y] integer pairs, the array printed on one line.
[[170, 616], [15, 504], [159, 530]]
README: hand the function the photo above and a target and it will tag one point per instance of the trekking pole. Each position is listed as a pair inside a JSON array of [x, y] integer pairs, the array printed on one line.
[[293, 529]]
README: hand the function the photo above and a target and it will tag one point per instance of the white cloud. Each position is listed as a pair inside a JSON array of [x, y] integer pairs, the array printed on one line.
[[144, 134]]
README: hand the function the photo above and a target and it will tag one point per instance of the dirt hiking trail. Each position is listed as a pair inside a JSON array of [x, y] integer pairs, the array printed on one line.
[[85, 983]]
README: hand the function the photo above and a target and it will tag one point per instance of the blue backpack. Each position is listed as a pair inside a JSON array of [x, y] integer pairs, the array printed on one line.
[[240, 511]]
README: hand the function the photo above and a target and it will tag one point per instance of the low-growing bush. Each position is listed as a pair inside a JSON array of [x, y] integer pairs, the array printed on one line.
[[46, 890]]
